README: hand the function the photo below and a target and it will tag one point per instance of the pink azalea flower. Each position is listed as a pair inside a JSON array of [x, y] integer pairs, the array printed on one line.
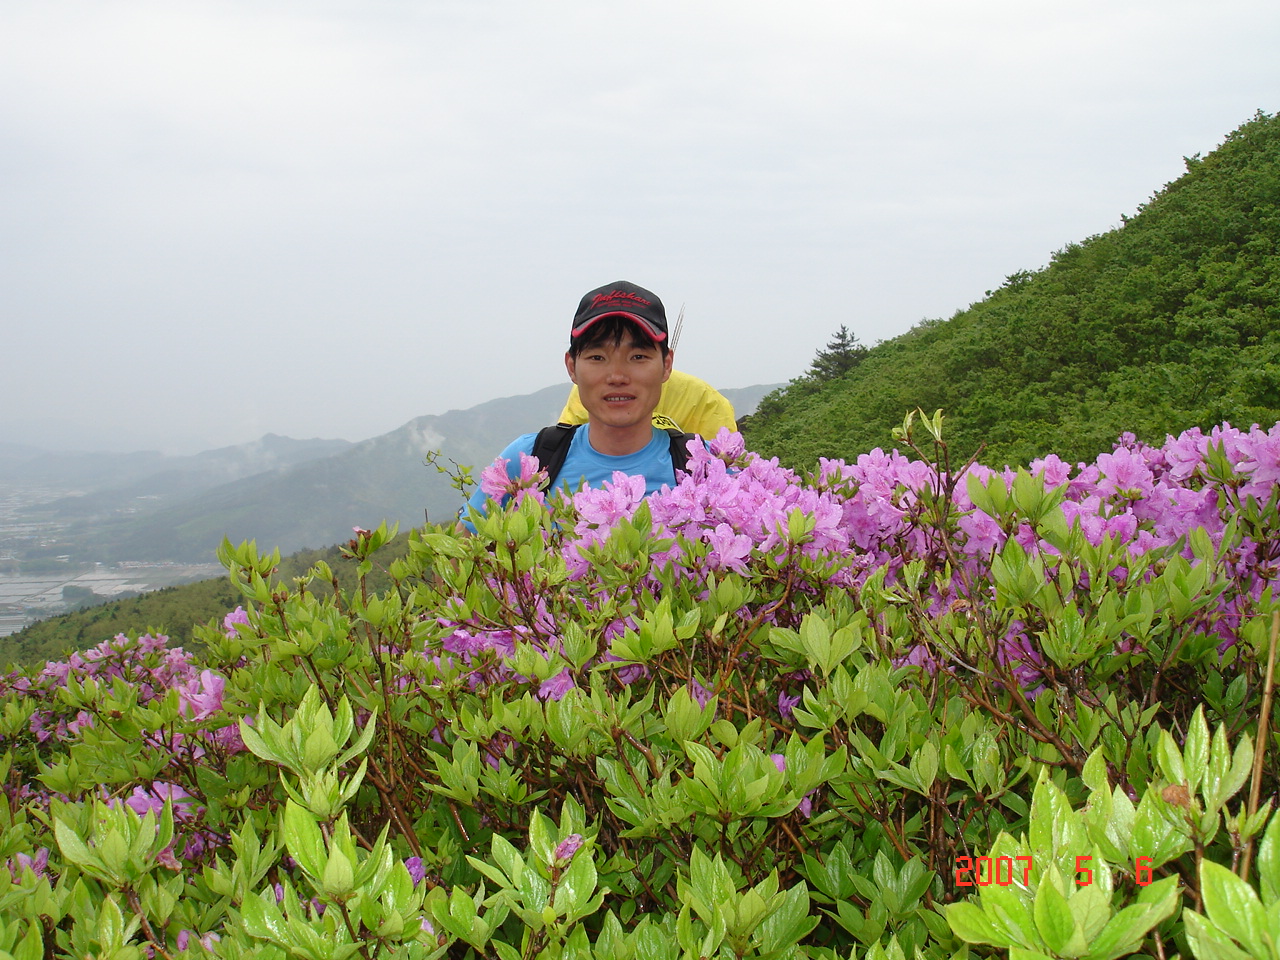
[[786, 705], [201, 697], [494, 480], [238, 615], [21, 862], [554, 688], [729, 550], [701, 695], [417, 871], [567, 847]]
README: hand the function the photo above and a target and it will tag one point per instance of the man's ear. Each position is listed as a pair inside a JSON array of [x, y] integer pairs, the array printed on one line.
[[666, 365], [570, 365]]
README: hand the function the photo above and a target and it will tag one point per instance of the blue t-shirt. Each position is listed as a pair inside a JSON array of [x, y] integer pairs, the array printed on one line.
[[584, 463]]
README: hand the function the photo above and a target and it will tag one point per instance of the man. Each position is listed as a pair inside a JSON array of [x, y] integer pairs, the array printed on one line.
[[618, 358]]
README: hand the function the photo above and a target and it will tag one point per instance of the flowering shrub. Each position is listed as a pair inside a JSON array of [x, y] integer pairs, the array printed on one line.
[[756, 714]]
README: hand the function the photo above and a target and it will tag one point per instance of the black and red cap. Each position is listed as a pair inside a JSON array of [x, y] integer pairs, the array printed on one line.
[[622, 299]]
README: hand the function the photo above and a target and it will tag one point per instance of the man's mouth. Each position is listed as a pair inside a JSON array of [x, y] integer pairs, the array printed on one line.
[[618, 398]]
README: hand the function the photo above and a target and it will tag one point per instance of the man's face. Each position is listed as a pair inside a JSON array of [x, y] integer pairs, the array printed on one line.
[[619, 384]]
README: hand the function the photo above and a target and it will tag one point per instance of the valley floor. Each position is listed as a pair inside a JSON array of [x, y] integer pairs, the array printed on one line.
[[26, 599]]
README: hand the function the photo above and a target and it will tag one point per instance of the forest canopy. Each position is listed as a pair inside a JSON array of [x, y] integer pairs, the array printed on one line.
[[1170, 321]]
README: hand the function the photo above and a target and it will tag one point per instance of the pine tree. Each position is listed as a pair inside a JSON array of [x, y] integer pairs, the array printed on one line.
[[842, 354]]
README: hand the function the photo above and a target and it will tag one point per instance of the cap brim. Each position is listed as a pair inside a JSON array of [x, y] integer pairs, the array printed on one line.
[[654, 332]]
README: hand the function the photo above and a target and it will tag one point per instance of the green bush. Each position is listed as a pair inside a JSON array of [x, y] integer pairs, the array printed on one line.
[[889, 710]]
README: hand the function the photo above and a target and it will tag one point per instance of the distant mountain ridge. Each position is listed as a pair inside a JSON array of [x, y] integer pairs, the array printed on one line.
[[21, 464], [311, 502]]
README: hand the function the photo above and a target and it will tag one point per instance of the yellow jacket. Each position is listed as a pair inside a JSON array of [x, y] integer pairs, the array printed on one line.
[[687, 403]]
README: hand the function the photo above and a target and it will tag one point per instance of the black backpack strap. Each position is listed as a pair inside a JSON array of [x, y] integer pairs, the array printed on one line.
[[680, 450], [551, 446]]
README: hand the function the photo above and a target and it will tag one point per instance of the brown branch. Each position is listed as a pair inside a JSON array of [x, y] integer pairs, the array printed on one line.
[[1260, 747], [397, 813], [648, 754], [136, 906]]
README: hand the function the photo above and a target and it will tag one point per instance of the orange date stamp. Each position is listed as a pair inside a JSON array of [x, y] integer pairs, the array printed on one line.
[[984, 871]]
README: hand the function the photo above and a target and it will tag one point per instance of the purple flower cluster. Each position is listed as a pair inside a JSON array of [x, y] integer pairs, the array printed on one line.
[[187, 937], [1147, 497], [734, 510], [37, 863], [733, 513], [866, 516], [495, 481], [236, 617], [151, 669]]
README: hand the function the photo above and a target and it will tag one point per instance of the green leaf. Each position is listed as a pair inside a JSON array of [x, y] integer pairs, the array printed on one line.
[[576, 886], [303, 839], [1233, 907], [362, 741], [319, 749], [1195, 752], [924, 765], [73, 848], [1158, 832], [255, 743], [1123, 932], [1091, 909], [1056, 831], [1117, 829], [1169, 758], [1210, 943], [970, 923], [110, 926], [789, 923], [339, 875], [492, 872], [1008, 909], [984, 497], [1054, 922], [32, 945], [1094, 773], [955, 767], [262, 918], [1269, 862]]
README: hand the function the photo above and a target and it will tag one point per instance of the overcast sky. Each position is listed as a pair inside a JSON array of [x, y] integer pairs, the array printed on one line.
[[323, 218]]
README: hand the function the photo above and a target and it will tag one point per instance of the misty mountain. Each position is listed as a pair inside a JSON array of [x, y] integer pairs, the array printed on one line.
[[317, 502], [122, 476], [11, 453]]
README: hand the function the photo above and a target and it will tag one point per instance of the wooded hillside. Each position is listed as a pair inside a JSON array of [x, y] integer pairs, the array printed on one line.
[[1168, 322]]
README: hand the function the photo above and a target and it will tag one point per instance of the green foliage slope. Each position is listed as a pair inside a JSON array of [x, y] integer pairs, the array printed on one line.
[[172, 611], [545, 742], [1168, 322]]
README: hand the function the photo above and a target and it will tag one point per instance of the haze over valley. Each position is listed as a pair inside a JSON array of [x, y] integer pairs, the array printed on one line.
[[76, 528]]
